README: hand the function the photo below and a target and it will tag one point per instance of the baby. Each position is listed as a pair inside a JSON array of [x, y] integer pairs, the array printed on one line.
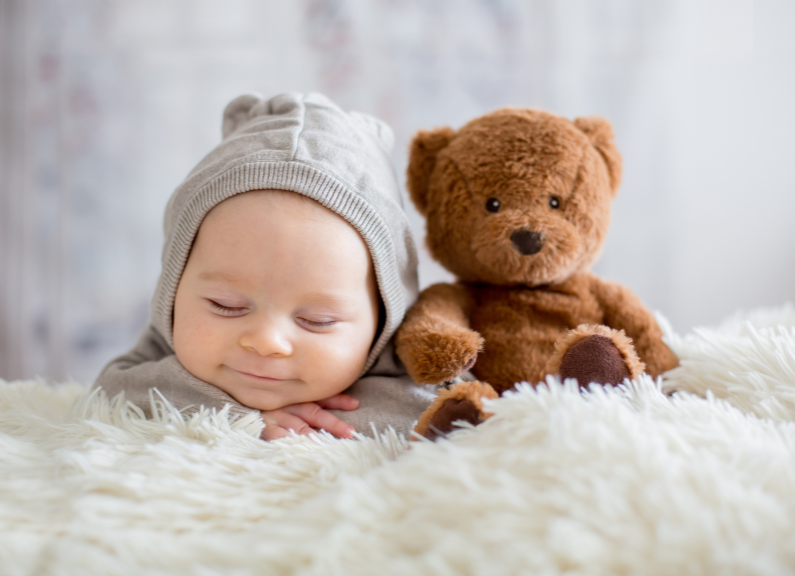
[[287, 267]]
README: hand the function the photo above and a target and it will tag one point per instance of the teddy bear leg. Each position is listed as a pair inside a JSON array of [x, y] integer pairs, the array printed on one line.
[[595, 353], [461, 402]]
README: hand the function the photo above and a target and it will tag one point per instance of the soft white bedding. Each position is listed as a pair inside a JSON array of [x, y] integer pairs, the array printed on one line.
[[616, 481]]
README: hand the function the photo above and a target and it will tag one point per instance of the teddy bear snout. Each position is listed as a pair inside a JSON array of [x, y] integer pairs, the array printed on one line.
[[526, 241]]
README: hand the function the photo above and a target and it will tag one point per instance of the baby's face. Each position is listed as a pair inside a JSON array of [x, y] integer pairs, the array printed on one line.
[[278, 301]]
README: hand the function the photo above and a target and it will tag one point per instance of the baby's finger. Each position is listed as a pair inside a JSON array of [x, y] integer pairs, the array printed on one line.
[[294, 423], [339, 402], [316, 417], [273, 431]]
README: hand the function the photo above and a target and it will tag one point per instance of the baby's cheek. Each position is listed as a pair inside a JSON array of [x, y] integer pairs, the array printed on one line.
[[348, 356], [196, 344]]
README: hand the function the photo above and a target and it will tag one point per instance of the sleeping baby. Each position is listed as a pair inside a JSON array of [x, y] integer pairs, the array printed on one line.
[[287, 267]]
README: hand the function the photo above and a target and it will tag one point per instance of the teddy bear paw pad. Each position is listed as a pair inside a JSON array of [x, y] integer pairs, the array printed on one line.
[[451, 411], [594, 359]]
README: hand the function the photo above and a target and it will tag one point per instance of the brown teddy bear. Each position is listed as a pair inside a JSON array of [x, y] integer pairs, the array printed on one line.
[[517, 204]]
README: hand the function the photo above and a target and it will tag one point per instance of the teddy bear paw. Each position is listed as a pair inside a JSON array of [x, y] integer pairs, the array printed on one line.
[[439, 355], [463, 402], [596, 354]]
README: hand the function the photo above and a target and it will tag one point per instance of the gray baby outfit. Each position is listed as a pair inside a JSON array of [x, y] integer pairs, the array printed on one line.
[[305, 144]]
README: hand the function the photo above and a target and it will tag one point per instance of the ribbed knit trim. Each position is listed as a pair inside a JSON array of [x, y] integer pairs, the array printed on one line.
[[308, 181]]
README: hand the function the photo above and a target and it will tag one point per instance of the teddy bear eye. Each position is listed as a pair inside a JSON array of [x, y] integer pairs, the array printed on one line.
[[554, 202], [493, 205]]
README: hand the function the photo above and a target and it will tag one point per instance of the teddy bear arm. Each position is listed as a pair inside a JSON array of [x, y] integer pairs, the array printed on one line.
[[449, 303], [623, 310], [435, 342]]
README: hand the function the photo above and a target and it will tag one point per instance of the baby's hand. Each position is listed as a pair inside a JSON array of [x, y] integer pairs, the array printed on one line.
[[306, 417]]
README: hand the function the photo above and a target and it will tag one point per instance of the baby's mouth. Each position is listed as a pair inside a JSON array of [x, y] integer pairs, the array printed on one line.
[[261, 378]]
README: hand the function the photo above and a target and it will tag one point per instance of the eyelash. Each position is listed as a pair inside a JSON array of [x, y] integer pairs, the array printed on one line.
[[230, 311], [225, 310], [314, 324]]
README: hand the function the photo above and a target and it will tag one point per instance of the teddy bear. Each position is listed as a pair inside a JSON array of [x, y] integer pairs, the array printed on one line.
[[517, 206]]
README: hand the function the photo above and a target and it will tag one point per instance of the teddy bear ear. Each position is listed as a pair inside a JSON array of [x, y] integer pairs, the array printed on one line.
[[600, 133], [425, 147]]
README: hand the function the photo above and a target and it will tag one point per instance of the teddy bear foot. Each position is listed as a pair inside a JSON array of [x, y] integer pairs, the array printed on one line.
[[461, 402], [596, 354]]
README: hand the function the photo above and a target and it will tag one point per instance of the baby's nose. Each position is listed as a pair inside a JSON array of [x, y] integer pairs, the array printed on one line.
[[267, 340]]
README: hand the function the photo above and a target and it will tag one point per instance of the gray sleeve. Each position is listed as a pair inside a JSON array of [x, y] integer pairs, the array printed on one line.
[[386, 401], [387, 397], [152, 364]]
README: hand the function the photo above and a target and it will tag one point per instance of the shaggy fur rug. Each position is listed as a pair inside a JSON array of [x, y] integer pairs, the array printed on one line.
[[625, 480]]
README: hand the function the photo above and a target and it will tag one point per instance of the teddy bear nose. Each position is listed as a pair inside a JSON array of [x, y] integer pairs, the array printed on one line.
[[526, 241]]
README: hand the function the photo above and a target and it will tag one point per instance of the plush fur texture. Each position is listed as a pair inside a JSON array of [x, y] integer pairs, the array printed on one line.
[[517, 204], [610, 481]]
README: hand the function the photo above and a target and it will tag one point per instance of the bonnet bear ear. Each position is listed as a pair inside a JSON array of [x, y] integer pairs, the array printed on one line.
[[238, 111], [600, 133], [425, 147]]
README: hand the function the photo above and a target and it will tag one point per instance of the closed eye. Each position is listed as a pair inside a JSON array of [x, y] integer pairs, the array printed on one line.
[[228, 311], [318, 324]]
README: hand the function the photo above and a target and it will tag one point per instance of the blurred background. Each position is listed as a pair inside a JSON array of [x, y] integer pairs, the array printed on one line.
[[105, 105]]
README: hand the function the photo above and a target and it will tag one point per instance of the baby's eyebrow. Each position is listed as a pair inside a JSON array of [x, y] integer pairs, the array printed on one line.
[[220, 277], [327, 299]]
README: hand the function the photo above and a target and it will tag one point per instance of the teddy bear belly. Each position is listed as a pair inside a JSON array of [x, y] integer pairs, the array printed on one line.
[[521, 341], [515, 356]]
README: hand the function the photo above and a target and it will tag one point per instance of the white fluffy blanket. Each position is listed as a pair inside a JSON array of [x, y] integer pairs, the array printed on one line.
[[615, 481]]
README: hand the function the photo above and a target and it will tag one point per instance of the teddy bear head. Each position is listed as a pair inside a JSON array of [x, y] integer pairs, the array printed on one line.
[[516, 197]]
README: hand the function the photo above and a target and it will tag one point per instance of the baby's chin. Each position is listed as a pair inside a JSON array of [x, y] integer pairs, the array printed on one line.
[[264, 399], [275, 395], [260, 399]]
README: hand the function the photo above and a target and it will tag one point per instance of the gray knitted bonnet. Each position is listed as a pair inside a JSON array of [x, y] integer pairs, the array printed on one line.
[[304, 144]]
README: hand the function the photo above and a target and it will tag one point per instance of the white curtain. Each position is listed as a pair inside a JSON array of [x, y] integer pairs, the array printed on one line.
[[105, 105]]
